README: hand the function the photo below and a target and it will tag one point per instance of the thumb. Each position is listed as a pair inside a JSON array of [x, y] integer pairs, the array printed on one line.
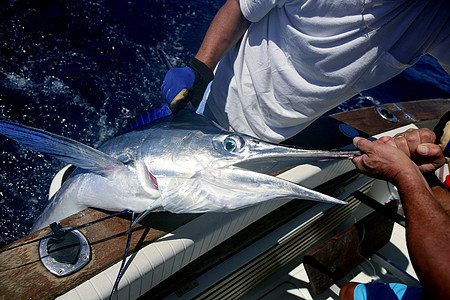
[[428, 149], [431, 156], [179, 102], [361, 143]]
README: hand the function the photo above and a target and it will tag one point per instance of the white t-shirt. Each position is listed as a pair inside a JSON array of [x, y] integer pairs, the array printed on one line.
[[299, 59]]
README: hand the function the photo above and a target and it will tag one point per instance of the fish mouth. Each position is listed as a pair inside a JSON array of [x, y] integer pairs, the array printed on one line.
[[253, 163], [259, 185]]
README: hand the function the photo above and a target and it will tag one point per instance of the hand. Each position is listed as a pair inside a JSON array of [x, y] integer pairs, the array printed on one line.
[[382, 161], [418, 145], [186, 84], [177, 83]]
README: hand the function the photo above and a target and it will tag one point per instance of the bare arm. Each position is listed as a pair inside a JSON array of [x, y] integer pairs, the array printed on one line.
[[227, 28], [427, 224], [427, 235]]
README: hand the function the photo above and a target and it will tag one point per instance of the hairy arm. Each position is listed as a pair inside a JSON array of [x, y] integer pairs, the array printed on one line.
[[427, 223], [226, 29], [427, 235]]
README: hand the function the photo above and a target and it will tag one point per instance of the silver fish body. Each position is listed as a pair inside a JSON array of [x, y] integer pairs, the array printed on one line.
[[181, 164]]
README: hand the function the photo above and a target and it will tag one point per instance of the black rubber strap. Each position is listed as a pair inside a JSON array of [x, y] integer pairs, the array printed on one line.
[[205, 73]]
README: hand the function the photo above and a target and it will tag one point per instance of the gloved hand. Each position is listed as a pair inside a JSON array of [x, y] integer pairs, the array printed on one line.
[[182, 85]]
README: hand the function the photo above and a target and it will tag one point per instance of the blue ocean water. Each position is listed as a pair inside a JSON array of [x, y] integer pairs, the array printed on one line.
[[84, 69]]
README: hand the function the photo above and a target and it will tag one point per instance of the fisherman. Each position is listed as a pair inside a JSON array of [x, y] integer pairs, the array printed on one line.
[[426, 207], [285, 63]]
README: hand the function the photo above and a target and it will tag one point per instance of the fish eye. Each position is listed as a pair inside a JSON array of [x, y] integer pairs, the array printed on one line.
[[232, 144], [229, 144]]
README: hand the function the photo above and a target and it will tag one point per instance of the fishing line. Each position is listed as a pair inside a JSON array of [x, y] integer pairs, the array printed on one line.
[[365, 258], [122, 267], [102, 219], [70, 229]]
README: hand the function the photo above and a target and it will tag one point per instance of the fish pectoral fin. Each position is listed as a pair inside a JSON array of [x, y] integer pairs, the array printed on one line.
[[62, 148]]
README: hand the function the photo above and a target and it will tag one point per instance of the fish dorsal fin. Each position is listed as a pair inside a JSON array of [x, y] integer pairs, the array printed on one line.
[[62, 148], [149, 116]]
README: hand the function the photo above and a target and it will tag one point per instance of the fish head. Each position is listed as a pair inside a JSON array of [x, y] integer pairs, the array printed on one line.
[[200, 151], [223, 171]]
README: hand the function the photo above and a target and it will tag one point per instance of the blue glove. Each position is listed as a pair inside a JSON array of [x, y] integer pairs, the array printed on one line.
[[177, 80], [188, 84]]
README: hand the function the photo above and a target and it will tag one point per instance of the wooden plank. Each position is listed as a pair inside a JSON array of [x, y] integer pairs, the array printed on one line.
[[23, 276], [369, 121], [338, 256], [326, 130]]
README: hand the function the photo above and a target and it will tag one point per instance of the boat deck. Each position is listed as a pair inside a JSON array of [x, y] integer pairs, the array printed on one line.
[[390, 264]]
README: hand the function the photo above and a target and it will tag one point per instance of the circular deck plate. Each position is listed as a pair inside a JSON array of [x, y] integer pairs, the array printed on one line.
[[386, 114], [63, 269]]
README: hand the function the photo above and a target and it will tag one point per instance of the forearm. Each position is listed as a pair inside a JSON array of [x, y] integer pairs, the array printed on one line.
[[427, 224], [227, 28], [428, 234]]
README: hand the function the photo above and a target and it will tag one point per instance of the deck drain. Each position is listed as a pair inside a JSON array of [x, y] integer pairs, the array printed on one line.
[[64, 251], [386, 114]]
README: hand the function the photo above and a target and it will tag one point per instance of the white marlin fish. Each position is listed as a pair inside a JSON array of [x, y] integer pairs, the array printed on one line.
[[181, 164]]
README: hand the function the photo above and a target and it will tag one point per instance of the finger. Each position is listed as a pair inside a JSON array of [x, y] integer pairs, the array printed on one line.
[[391, 142], [413, 140], [426, 136], [358, 162], [357, 140], [433, 153], [385, 139], [179, 101], [425, 149], [362, 164], [409, 140], [402, 144]]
